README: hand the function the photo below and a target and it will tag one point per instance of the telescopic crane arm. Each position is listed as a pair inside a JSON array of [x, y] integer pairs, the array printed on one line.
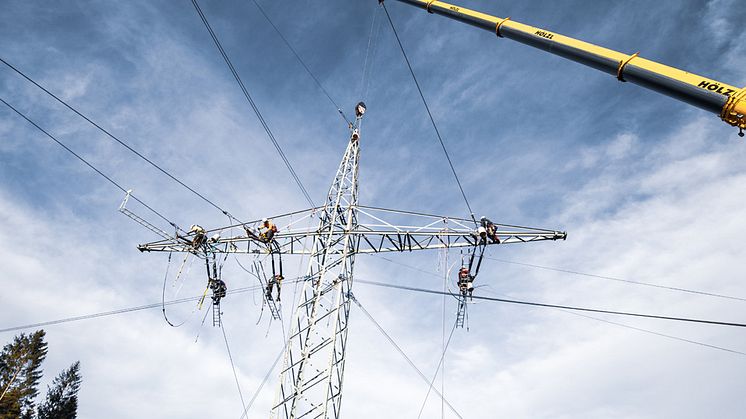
[[729, 102]]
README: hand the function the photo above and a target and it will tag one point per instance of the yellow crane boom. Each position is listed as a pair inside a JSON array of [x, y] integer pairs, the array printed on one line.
[[729, 102]]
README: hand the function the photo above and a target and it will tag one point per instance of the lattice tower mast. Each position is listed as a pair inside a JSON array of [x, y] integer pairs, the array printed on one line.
[[311, 377]]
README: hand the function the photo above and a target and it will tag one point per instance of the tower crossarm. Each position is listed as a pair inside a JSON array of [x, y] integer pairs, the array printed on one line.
[[312, 375], [407, 241], [373, 234]]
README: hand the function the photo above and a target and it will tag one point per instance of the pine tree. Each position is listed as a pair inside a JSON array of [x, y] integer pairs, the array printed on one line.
[[62, 396], [20, 371]]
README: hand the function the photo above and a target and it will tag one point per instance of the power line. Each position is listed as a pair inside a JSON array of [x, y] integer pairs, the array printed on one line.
[[442, 357], [599, 319], [96, 315], [113, 137], [255, 287], [300, 60], [129, 309], [61, 144], [652, 332], [264, 381], [365, 77], [628, 281], [233, 367], [565, 307], [401, 352], [251, 102], [610, 278], [427, 108], [694, 342]]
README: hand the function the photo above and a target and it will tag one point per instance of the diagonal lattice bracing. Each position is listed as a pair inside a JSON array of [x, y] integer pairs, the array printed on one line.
[[313, 368]]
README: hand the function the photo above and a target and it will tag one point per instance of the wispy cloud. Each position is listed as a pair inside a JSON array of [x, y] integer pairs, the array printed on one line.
[[648, 189]]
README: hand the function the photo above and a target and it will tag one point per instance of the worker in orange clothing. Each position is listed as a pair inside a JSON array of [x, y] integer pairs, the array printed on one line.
[[463, 278], [465, 281], [267, 230]]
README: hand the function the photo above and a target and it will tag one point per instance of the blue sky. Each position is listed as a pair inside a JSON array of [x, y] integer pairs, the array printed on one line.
[[649, 189]]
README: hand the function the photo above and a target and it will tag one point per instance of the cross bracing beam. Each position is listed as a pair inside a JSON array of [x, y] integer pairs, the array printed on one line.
[[424, 232], [310, 382]]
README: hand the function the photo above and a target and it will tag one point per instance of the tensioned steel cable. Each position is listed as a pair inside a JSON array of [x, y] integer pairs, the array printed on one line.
[[233, 367], [96, 315], [565, 307], [129, 309], [639, 329], [402, 353], [115, 138], [286, 340], [611, 278], [432, 382], [256, 287], [112, 181], [300, 60], [427, 108], [369, 56], [251, 102], [264, 381]]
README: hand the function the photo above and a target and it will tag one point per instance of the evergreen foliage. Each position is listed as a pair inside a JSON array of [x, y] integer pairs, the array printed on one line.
[[62, 396], [20, 372]]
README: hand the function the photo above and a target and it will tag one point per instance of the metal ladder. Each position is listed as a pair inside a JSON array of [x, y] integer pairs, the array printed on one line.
[[263, 280], [273, 309], [216, 320], [123, 209], [461, 313]]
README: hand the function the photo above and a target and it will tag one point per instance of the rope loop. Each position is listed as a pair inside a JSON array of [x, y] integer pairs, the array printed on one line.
[[622, 64]]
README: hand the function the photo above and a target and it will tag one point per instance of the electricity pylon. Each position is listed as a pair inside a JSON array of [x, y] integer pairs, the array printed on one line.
[[311, 378]]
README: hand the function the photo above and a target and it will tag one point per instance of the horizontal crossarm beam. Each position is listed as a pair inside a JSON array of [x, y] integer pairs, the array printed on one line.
[[377, 235]]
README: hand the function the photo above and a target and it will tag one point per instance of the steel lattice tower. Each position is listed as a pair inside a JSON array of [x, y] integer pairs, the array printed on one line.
[[311, 377]]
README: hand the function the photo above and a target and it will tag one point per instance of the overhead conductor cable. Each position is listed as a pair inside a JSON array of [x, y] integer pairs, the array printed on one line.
[[251, 102], [565, 307], [300, 60], [87, 163], [113, 137], [652, 332], [403, 354], [427, 108]]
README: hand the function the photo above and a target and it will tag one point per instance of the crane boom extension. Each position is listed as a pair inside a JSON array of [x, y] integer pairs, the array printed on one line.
[[729, 102]]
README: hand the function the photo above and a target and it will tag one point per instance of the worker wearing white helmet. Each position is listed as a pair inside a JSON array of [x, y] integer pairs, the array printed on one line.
[[490, 229]]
